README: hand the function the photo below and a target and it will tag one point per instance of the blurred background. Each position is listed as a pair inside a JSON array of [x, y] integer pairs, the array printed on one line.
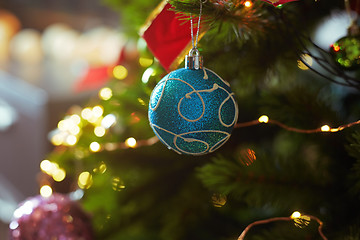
[[46, 49]]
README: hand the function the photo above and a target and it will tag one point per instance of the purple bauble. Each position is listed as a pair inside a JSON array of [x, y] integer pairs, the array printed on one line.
[[55, 217]]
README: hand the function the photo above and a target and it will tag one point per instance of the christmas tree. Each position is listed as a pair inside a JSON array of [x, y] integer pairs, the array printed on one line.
[[290, 169]]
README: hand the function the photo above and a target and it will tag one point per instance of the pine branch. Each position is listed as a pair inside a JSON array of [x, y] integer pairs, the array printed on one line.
[[353, 149], [284, 184]]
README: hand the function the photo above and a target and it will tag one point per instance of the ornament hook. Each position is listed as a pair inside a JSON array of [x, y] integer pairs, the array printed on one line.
[[194, 60]]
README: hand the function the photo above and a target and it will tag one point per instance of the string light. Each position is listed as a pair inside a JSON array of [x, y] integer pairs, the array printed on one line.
[[71, 140], [295, 214], [117, 184], [94, 115], [94, 147], [120, 72], [46, 191], [294, 217], [247, 4], [59, 175], [53, 169], [105, 93], [75, 119], [324, 128], [108, 121], [133, 143], [86, 113], [99, 131], [46, 166], [147, 74], [130, 142], [145, 62], [85, 180], [263, 119], [97, 111]]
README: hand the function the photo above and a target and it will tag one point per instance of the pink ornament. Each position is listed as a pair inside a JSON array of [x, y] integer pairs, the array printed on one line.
[[55, 217]]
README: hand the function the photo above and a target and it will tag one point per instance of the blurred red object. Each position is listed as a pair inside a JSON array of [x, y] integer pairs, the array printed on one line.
[[168, 36]]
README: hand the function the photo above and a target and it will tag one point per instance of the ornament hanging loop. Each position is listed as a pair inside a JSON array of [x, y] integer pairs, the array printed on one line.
[[194, 60]]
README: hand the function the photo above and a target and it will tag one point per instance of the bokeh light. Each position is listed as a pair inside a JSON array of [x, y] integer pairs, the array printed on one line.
[[105, 93], [85, 180], [131, 142], [145, 62], [99, 131], [218, 200], [117, 184], [120, 72], [46, 191], [263, 119], [95, 147], [248, 3]]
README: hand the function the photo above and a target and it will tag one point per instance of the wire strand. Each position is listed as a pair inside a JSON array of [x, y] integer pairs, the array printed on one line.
[[195, 41]]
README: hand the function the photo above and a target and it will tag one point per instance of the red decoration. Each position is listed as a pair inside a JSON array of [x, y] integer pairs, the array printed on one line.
[[167, 36], [278, 2], [96, 77]]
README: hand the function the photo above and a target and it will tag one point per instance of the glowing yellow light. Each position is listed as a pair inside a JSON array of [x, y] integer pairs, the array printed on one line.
[[85, 180], [130, 142], [295, 215], [108, 121], [62, 125], [75, 119], [98, 111], [147, 74], [306, 60], [110, 146], [336, 47], [71, 140], [325, 128], [120, 72], [105, 93], [218, 200], [74, 129], [263, 119], [248, 4], [101, 169], [86, 113], [141, 101], [48, 167], [45, 165], [46, 191], [145, 62], [95, 147], [117, 184], [59, 175], [57, 140], [99, 131]]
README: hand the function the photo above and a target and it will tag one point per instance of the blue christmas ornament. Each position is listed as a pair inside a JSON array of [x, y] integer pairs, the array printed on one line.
[[192, 110]]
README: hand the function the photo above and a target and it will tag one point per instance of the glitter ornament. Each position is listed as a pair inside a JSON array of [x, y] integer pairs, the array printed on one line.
[[55, 217], [192, 110], [346, 52]]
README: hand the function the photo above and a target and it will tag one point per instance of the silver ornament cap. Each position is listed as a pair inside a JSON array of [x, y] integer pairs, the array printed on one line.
[[194, 60]]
